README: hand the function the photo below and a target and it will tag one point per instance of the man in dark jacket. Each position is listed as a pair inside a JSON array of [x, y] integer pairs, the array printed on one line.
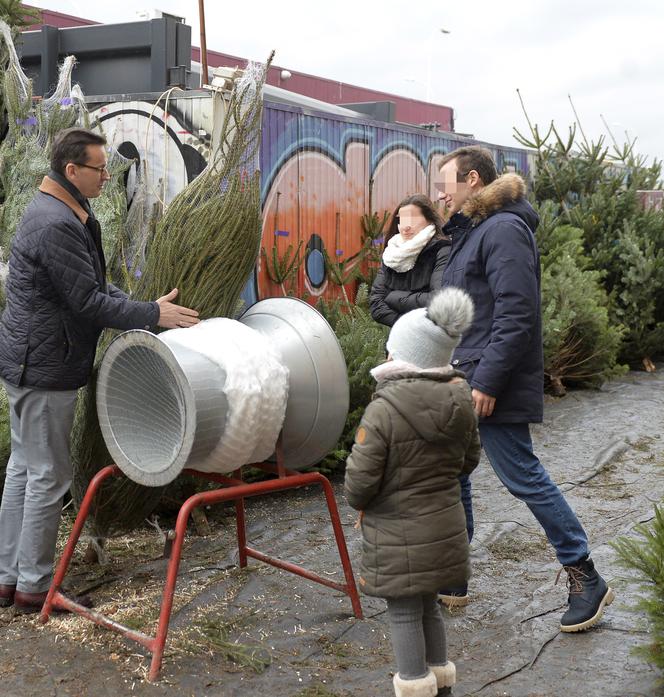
[[58, 302], [495, 259]]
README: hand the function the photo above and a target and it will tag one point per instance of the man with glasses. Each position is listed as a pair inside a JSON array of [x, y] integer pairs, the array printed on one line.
[[58, 302], [494, 258]]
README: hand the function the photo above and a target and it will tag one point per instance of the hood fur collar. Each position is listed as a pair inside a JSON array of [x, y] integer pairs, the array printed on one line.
[[508, 188], [52, 188], [391, 370]]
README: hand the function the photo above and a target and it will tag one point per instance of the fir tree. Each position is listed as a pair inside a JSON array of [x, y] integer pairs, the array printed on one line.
[[362, 341], [594, 187], [644, 554]]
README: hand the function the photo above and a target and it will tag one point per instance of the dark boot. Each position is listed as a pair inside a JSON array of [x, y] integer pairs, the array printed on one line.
[[588, 594], [7, 595]]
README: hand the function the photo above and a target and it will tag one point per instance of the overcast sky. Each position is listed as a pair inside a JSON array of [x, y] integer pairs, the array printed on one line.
[[609, 55]]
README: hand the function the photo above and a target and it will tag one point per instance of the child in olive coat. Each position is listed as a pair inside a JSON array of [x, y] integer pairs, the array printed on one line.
[[416, 437]]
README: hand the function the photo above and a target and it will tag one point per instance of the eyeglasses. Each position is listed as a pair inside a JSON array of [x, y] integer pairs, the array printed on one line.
[[100, 170]]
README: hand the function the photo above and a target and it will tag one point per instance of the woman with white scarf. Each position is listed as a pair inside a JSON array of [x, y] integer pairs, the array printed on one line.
[[415, 255]]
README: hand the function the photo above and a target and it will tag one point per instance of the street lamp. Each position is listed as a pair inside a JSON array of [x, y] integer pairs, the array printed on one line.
[[433, 34]]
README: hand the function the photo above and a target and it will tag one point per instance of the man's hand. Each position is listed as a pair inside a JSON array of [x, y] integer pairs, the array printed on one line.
[[483, 403], [172, 315]]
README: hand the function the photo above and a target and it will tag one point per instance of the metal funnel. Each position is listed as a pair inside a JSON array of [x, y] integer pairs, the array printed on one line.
[[164, 406], [318, 394]]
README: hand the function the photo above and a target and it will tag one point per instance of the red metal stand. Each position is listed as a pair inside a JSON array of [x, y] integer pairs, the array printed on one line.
[[236, 490]]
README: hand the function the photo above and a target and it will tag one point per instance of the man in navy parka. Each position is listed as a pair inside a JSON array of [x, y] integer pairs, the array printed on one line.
[[495, 259]]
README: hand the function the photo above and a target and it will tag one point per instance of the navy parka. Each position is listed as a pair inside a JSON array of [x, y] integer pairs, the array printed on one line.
[[495, 259]]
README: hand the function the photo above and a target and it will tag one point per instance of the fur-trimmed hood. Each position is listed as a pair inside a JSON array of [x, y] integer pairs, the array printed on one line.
[[507, 193], [418, 395]]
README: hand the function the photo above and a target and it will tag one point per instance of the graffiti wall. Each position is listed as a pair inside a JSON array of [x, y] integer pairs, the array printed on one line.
[[169, 141], [319, 174]]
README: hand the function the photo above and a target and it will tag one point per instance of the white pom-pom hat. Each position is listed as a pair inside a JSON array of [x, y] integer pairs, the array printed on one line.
[[426, 337]]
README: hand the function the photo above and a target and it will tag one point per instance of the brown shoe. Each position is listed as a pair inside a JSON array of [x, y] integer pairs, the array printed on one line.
[[29, 603], [7, 595]]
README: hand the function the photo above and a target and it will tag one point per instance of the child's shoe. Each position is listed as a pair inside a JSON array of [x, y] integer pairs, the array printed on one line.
[[420, 687], [445, 677], [454, 597]]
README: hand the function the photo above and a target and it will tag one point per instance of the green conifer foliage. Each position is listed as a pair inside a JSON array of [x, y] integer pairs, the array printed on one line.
[[588, 186], [362, 341], [580, 344], [206, 244], [644, 554]]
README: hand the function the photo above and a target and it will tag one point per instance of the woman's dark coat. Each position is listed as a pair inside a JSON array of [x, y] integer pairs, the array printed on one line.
[[394, 293], [495, 259], [415, 438], [58, 300]]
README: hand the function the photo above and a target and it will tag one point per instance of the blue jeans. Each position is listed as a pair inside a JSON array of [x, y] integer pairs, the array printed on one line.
[[467, 501], [509, 449]]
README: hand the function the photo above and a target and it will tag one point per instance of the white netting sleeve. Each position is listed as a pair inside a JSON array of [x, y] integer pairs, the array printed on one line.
[[256, 389]]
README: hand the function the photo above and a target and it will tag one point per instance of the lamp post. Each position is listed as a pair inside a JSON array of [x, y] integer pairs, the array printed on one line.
[[204, 61], [433, 34]]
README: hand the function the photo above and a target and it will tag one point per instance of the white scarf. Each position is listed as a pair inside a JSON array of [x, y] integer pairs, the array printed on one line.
[[401, 255]]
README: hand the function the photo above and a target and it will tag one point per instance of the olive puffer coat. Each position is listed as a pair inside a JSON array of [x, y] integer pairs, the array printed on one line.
[[416, 437], [58, 300], [394, 293]]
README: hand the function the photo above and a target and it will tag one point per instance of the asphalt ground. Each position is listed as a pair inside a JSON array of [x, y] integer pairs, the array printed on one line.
[[262, 631]]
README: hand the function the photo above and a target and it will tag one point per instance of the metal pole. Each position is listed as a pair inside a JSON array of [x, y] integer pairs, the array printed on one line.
[[204, 63]]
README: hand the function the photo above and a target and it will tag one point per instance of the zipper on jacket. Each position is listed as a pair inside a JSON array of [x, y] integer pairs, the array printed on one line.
[[27, 343], [68, 342]]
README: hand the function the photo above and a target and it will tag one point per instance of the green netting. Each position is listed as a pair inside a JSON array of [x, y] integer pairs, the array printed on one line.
[[25, 151], [111, 207], [126, 254]]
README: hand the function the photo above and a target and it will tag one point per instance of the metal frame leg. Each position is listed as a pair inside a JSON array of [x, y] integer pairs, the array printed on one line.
[[234, 489], [169, 586], [241, 532], [63, 564]]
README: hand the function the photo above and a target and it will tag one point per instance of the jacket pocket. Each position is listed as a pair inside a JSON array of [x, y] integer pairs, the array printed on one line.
[[456, 277], [466, 360], [67, 342]]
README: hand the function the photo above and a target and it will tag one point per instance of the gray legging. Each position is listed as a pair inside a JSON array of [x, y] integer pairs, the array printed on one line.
[[418, 634]]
